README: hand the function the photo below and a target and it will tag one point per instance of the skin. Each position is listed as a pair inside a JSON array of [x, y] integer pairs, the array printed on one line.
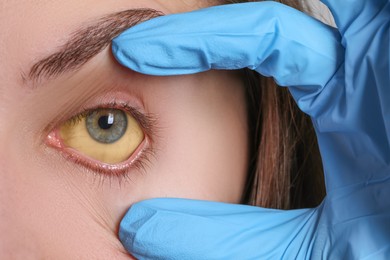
[[53, 208]]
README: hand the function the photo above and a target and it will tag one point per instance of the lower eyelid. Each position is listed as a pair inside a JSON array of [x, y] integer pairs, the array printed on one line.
[[135, 161]]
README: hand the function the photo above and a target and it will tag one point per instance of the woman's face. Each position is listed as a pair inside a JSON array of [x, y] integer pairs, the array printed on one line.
[[58, 198]]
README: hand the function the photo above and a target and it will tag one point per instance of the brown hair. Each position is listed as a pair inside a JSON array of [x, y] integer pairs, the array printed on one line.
[[285, 168]]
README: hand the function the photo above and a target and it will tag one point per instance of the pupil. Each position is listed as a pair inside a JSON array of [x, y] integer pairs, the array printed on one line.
[[106, 126], [106, 122]]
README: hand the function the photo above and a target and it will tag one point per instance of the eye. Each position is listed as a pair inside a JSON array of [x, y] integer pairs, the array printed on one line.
[[107, 135]]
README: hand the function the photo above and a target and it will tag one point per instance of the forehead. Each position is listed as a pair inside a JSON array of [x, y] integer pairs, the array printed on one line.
[[57, 12]]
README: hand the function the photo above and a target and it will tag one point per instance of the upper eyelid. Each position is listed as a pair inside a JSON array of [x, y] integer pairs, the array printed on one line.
[[147, 121]]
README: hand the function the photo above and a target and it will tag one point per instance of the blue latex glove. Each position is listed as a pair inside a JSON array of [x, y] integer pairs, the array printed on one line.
[[341, 78]]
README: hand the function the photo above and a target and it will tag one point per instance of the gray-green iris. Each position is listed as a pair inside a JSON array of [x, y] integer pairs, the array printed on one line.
[[106, 125]]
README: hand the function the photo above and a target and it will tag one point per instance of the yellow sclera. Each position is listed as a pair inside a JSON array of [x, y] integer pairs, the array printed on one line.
[[74, 134]]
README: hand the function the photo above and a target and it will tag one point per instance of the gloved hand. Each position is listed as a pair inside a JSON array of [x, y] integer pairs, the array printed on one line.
[[341, 78]]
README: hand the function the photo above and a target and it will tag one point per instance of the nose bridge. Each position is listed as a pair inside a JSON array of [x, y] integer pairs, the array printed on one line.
[[12, 237], [9, 225], [4, 185], [15, 240]]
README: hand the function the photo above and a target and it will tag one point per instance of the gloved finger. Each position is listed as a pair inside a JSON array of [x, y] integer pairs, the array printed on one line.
[[189, 229], [355, 14], [354, 134], [358, 215], [271, 38]]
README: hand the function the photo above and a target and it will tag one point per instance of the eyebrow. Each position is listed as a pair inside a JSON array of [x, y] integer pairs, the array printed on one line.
[[87, 42]]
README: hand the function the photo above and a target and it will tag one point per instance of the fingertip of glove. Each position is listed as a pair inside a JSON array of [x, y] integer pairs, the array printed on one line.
[[119, 55], [135, 218]]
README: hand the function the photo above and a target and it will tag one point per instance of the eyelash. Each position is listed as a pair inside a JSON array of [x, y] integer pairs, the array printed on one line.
[[120, 171]]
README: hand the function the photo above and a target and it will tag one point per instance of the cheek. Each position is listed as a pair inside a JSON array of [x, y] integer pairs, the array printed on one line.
[[48, 213]]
